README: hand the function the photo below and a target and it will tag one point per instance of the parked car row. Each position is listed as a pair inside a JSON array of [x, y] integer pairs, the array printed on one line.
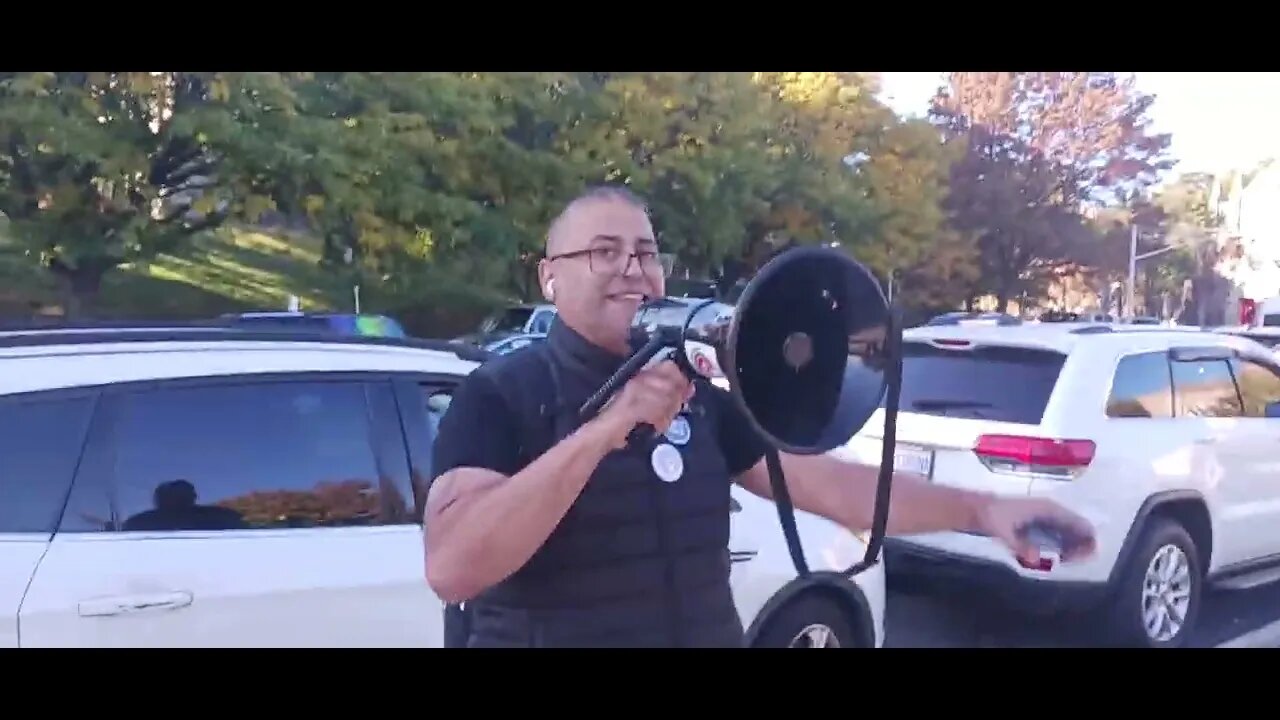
[[1164, 438], [215, 485], [244, 482]]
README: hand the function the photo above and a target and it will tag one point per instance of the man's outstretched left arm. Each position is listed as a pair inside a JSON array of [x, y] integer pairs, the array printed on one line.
[[845, 493]]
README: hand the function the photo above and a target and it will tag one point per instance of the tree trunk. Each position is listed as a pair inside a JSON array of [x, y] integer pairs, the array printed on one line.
[[80, 287], [1150, 297], [81, 291], [1005, 290]]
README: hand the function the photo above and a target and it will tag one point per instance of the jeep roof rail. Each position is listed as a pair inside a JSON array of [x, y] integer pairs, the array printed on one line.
[[41, 337], [59, 323]]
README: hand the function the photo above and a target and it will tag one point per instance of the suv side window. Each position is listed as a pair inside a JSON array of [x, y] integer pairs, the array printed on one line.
[[1142, 387], [245, 455], [1205, 388], [1259, 386], [40, 443]]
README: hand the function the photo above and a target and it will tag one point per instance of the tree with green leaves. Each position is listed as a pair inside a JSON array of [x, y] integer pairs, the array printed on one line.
[[1040, 147], [439, 186], [103, 169]]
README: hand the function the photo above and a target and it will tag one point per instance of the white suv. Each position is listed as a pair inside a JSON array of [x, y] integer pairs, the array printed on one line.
[[1166, 439], [216, 487]]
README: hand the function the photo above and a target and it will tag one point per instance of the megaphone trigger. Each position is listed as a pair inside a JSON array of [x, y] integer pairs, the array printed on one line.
[[661, 356]]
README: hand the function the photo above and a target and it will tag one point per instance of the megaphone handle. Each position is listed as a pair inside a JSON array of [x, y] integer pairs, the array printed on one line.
[[621, 376]]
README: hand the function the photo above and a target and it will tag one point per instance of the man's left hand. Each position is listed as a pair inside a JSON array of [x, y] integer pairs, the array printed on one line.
[[1005, 517]]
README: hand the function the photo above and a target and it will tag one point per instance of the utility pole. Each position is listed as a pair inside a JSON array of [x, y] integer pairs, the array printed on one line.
[[1134, 257], [348, 258], [1131, 289]]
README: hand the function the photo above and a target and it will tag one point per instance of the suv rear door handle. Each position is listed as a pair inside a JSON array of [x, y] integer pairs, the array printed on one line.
[[123, 604]]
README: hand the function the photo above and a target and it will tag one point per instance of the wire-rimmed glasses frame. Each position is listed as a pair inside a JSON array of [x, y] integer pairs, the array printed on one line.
[[611, 261]]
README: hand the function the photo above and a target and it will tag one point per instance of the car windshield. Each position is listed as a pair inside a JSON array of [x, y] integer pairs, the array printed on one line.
[[1008, 384], [509, 320]]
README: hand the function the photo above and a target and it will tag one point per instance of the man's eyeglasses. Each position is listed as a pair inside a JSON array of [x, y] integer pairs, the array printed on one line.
[[613, 261]]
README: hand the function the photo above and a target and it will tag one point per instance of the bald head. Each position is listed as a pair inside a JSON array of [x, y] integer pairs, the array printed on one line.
[[559, 229], [601, 263]]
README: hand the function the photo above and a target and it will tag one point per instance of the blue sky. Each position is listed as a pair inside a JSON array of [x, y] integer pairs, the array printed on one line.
[[1219, 121]]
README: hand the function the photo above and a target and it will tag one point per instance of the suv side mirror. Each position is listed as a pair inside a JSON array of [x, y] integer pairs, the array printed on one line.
[[1272, 410]]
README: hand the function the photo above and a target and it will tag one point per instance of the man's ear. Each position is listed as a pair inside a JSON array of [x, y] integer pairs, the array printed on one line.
[[546, 281]]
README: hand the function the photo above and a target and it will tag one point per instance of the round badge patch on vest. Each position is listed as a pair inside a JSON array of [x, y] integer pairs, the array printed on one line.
[[679, 430], [667, 462]]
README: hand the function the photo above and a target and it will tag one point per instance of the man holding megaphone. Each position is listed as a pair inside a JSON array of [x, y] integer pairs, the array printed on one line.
[[556, 530]]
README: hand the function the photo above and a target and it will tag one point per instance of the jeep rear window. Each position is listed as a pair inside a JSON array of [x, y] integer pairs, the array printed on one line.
[[509, 320], [1008, 384]]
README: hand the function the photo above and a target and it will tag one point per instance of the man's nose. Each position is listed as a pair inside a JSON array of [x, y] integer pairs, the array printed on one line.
[[632, 266]]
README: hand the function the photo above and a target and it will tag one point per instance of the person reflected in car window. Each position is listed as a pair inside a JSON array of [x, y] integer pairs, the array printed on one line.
[[176, 509]]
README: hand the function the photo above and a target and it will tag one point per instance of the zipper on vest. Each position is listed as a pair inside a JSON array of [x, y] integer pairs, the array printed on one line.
[[668, 565]]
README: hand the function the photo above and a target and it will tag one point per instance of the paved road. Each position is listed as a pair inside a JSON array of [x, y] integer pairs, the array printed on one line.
[[917, 618]]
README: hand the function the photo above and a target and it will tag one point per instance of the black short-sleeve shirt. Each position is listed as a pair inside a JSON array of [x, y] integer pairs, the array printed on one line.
[[742, 446], [481, 429]]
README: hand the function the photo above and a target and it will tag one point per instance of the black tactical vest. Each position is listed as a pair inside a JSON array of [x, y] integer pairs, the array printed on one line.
[[637, 561]]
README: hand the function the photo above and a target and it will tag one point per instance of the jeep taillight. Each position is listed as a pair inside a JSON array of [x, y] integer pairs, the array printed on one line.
[[1018, 455], [1248, 311]]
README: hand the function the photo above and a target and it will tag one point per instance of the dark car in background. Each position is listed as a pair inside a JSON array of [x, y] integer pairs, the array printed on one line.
[[510, 343], [516, 326], [510, 322]]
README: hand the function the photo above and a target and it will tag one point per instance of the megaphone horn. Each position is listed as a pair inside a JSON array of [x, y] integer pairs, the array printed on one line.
[[804, 351], [807, 355]]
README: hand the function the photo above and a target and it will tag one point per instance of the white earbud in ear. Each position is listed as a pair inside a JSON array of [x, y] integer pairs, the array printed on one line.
[[551, 289]]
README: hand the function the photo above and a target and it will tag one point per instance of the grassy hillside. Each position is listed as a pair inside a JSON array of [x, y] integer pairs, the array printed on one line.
[[234, 269]]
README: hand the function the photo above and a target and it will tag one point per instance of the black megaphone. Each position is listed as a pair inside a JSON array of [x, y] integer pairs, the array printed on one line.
[[808, 354]]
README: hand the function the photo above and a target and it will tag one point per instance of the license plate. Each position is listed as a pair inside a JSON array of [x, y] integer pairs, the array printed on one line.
[[912, 459]]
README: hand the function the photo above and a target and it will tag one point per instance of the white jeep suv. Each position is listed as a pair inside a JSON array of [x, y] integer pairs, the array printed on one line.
[[1165, 439], [198, 487]]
